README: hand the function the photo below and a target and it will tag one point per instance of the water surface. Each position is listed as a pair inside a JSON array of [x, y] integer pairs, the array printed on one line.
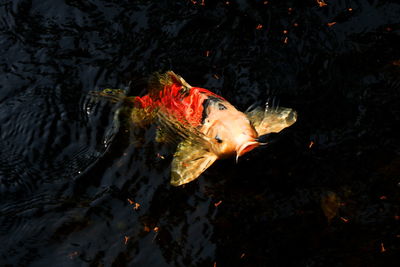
[[78, 188]]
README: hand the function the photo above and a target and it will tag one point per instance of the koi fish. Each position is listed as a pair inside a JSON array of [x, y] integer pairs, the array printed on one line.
[[207, 126]]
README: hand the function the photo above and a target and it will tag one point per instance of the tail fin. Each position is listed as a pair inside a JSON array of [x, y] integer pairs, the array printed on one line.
[[114, 95]]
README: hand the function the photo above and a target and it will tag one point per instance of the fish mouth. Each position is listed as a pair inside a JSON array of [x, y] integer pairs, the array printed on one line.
[[246, 147]]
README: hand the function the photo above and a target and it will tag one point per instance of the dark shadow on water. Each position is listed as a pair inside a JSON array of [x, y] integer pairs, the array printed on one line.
[[80, 187]]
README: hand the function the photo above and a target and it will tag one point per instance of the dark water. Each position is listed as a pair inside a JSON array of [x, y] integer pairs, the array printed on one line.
[[325, 192]]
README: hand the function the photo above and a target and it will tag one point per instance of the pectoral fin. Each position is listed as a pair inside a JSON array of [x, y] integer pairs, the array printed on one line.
[[190, 160], [271, 121]]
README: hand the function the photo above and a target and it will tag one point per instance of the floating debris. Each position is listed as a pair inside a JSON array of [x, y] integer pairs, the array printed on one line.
[[136, 205], [330, 24], [382, 248], [285, 41], [321, 3], [218, 203], [396, 63]]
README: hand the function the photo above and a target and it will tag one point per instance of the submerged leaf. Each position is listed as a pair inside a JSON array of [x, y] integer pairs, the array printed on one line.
[[330, 205]]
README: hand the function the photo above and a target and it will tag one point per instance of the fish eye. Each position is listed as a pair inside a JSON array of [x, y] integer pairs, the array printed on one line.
[[218, 139], [221, 106]]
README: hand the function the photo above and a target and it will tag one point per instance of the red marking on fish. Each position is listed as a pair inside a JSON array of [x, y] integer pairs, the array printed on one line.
[[187, 106]]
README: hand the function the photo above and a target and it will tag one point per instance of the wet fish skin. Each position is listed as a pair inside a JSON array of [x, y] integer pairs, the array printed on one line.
[[206, 125]]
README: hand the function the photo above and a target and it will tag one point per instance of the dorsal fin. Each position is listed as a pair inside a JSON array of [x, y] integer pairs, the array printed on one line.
[[158, 81]]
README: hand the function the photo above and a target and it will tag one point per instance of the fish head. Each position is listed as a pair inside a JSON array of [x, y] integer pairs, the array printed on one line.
[[228, 130]]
